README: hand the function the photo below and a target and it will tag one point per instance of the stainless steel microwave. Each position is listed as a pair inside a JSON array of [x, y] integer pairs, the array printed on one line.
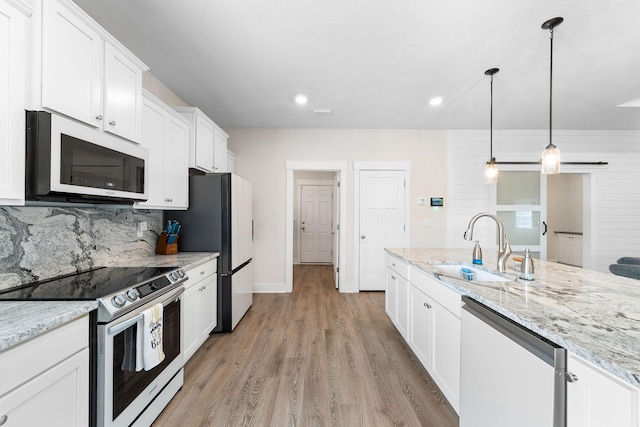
[[67, 161]]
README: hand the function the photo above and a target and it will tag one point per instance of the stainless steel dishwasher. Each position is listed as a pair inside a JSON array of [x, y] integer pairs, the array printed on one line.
[[509, 376]]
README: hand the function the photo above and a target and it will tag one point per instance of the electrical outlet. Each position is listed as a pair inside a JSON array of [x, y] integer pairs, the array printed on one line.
[[141, 228]]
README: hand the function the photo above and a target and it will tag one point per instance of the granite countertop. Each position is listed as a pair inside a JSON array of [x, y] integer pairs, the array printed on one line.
[[594, 315], [20, 321]]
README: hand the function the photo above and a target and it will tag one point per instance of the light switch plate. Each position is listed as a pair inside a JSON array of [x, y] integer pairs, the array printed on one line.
[[422, 201]]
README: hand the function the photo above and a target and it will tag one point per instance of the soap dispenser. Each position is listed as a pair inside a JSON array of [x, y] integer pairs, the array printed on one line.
[[526, 267], [477, 254]]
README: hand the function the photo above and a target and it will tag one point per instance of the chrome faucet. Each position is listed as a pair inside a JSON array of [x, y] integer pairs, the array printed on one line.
[[504, 249]]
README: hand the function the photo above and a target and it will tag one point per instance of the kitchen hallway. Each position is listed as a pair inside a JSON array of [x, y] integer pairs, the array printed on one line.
[[313, 357]]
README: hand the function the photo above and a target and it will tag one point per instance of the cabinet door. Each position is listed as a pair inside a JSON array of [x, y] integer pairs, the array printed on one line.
[[122, 95], [445, 363], [176, 171], [391, 295], [191, 329], [220, 152], [153, 140], [59, 397], [598, 399], [420, 325], [402, 316], [13, 48], [209, 309], [72, 65], [204, 140]]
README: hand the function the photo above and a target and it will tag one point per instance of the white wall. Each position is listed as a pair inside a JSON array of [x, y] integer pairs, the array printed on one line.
[[615, 189], [263, 153]]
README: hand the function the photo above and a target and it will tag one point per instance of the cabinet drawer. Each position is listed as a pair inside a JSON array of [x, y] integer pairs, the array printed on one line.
[[448, 298], [200, 272], [400, 267], [29, 359]]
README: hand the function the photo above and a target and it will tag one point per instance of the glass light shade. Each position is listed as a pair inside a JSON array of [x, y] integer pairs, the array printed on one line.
[[551, 160], [491, 173]]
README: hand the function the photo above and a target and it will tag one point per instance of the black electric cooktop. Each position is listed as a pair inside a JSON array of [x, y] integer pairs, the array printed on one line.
[[84, 285]]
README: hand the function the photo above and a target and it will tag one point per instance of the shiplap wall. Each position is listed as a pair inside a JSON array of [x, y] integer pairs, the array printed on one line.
[[615, 189]]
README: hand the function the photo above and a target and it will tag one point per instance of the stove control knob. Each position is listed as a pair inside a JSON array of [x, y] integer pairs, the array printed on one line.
[[180, 273], [118, 300], [173, 276], [132, 295]]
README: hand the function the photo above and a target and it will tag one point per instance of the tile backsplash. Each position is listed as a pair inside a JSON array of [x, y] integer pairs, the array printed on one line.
[[44, 242]]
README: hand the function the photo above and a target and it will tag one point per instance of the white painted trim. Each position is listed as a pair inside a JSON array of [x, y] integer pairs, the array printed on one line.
[[269, 288], [382, 166], [341, 169], [316, 166]]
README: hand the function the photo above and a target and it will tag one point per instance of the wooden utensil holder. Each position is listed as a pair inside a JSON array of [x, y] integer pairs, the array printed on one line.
[[164, 248]]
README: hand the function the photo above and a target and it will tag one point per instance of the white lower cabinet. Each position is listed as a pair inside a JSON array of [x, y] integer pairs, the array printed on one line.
[[397, 294], [427, 315], [45, 381], [434, 332], [200, 306], [595, 398]]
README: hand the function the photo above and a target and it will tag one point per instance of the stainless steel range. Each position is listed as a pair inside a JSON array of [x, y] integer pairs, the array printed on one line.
[[123, 392]]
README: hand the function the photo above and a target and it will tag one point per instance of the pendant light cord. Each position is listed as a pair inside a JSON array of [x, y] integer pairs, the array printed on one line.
[[551, 89], [491, 123]]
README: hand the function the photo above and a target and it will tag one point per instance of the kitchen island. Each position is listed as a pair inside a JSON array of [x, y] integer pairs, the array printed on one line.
[[594, 315], [591, 314]]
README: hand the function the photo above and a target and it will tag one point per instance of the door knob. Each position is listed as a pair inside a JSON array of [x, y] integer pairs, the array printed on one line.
[[363, 237]]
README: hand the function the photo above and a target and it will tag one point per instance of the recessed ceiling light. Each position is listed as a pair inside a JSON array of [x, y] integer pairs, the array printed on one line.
[[436, 100], [301, 99]]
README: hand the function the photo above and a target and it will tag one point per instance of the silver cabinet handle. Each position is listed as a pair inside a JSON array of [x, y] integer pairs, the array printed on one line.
[[363, 237], [571, 378], [427, 305], [98, 117], [393, 264], [3, 419], [393, 277], [112, 122]]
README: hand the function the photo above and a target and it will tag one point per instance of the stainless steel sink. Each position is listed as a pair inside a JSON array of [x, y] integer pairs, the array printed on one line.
[[454, 270]]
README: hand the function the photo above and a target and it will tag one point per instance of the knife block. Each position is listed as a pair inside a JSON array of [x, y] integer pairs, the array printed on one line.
[[164, 248]]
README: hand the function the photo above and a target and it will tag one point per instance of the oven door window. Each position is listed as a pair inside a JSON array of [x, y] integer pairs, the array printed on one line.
[[129, 384]]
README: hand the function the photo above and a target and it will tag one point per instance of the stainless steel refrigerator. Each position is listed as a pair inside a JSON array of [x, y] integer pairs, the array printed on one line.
[[219, 219]]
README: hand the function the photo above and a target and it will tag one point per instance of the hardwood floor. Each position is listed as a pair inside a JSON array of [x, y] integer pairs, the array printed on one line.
[[314, 357]]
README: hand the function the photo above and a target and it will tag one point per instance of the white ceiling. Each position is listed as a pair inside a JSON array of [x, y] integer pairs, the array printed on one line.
[[378, 62]]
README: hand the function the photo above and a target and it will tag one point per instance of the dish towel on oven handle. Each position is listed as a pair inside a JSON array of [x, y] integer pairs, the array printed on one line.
[[132, 360], [152, 353]]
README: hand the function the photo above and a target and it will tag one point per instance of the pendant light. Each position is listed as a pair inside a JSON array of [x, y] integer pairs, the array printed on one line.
[[491, 172], [551, 154]]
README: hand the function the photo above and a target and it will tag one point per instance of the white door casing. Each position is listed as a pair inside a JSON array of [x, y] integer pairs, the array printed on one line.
[[316, 223], [341, 169], [382, 217]]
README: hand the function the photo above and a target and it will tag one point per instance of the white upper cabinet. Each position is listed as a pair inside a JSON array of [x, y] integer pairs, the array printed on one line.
[[87, 74], [201, 138], [207, 142], [165, 134], [220, 151], [15, 21]]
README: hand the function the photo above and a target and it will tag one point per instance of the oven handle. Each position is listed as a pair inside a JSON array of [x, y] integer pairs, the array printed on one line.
[[115, 329]]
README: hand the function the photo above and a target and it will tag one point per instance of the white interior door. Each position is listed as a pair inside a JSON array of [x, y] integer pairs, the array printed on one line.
[[382, 216], [316, 223], [336, 234]]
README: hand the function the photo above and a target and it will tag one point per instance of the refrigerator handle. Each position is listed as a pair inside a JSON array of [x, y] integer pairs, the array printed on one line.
[[252, 229]]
